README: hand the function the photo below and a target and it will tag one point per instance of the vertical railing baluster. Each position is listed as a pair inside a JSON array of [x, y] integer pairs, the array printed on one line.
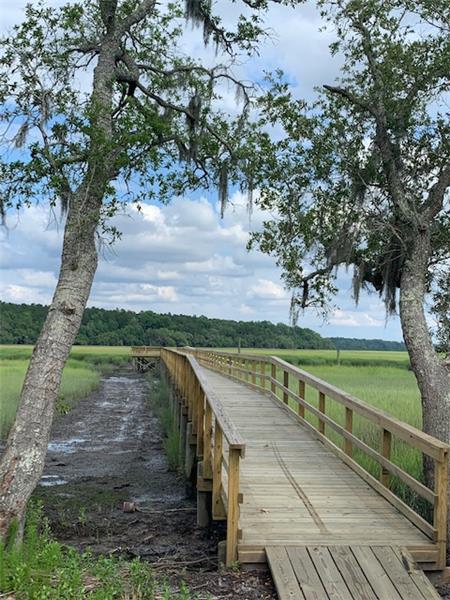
[[440, 512], [386, 443], [233, 506], [301, 393], [322, 410], [286, 385], [348, 446]]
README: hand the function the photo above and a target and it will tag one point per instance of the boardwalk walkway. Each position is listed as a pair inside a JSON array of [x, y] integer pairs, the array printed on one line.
[[296, 489], [276, 450]]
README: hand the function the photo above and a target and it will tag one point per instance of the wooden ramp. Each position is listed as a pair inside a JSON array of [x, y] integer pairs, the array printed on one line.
[[347, 573]]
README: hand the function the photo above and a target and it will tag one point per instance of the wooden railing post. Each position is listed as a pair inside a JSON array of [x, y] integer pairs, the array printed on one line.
[[301, 393], [233, 506], [217, 504], [386, 444], [286, 385], [322, 410], [200, 398], [348, 446], [273, 373], [441, 507], [262, 368], [254, 372], [207, 450]]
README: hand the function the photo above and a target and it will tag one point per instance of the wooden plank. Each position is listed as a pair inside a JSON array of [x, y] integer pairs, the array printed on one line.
[[375, 574], [423, 584], [352, 573], [306, 573], [332, 580], [348, 446], [440, 515], [415, 485], [283, 574], [301, 393], [322, 410], [207, 440], [217, 505], [386, 443], [286, 385], [397, 573], [273, 378], [394, 500], [233, 506]]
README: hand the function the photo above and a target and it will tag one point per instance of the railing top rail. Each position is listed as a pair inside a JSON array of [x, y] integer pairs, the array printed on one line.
[[144, 349], [233, 437], [427, 444], [403, 430], [259, 357]]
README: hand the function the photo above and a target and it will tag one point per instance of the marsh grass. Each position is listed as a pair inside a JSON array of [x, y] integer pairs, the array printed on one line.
[[390, 389], [160, 397], [80, 377], [323, 358], [41, 567]]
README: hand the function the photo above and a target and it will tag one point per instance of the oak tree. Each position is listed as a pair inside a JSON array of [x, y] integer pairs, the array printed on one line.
[[100, 106], [360, 177]]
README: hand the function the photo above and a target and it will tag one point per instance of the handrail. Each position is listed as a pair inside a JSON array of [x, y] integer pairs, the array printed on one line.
[[429, 445], [253, 370], [144, 350], [210, 426]]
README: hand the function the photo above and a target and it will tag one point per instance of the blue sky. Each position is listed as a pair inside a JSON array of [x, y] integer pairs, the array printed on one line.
[[182, 258]]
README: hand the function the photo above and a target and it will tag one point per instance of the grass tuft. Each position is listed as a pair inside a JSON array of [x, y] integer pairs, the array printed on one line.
[[41, 568]]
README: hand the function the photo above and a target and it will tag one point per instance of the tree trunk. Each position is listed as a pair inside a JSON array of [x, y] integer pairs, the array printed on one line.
[[432, 376], [23, 460], [24, 456]]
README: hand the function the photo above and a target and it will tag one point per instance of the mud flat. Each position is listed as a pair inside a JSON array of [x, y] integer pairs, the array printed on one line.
[[109, 450]]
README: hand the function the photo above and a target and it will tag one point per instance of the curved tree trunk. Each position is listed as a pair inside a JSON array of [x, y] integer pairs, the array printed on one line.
[[23, 459], [432, 376], [22, 462]]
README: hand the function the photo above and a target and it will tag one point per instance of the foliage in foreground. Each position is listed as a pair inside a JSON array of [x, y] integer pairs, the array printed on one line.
[[42, 568]]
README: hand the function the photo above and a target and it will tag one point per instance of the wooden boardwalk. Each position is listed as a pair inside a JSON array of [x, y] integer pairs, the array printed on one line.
[[347, 573], [295, 489], [294, 498]]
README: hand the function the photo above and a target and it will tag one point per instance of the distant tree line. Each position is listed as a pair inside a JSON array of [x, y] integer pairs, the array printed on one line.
[[21, 323]]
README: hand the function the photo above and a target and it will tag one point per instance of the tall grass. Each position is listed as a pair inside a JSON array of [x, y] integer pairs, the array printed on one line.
[[160, 397], [78, 380], [390, 389], [355, 358]]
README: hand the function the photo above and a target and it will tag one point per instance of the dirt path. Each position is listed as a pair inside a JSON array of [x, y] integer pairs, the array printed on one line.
[[109, 450]]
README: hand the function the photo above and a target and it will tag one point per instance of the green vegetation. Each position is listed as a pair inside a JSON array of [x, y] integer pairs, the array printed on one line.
[[21, 323], [160, 393], [356, 358], [80, 377], [390, 388], [41, 567], [383, 380]]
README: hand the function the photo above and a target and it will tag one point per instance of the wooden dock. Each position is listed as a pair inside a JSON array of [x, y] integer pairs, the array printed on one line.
[[293, 495]]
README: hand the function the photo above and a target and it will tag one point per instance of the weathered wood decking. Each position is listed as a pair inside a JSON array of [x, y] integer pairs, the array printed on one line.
[[294, 498], [295, 490]]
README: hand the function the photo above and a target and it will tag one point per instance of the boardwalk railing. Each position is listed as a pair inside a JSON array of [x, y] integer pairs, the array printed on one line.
[[218, 444], [145, 351], [288, 384]]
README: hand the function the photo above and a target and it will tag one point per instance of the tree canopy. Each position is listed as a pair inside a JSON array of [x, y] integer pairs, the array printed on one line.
[[355, 175]]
